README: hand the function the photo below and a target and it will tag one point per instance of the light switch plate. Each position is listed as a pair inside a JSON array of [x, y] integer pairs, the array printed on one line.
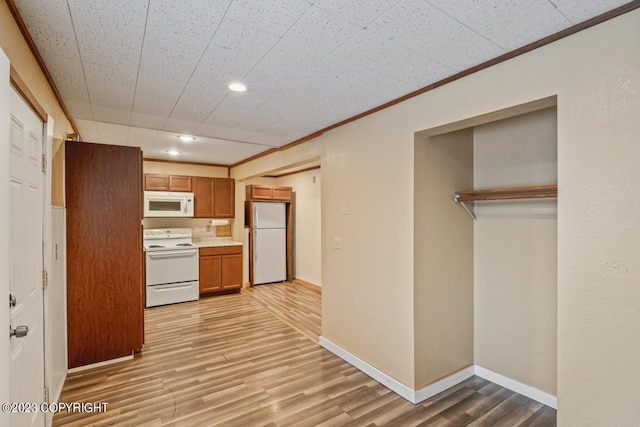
[[345, 208], [337, 243]]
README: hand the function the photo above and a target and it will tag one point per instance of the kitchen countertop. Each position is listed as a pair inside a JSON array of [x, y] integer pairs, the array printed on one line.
[[210, 242]]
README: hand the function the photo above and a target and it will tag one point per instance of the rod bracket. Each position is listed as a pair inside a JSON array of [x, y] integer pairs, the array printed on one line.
[[456, 199]]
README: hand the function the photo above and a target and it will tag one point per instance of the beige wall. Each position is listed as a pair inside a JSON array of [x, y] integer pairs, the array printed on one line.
[[443, 257], [308, 258], [368, 295], [149, 166], [515, 246], [21, 58]]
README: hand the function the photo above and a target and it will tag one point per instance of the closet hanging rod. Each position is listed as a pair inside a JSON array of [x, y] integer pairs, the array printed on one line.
[[508, 193]]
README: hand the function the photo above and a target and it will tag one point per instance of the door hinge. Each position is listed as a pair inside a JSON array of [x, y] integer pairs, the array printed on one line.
[[46, 394], [44, 163], [45, 279]]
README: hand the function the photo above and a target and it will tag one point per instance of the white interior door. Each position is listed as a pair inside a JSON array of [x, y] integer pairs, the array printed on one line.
[[25, 237], [5, 388]]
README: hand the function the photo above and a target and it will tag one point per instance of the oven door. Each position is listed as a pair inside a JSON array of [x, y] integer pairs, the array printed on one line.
[[172, 266]]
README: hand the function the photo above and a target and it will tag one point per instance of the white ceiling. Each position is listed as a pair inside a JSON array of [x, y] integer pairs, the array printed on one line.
[[141, 72]]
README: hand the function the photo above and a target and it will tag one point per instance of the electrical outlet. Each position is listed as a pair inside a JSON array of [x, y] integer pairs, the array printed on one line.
[[337, 243]]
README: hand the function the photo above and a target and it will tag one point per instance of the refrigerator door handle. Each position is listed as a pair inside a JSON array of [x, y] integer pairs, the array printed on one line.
[[255, 216], [255, 246]]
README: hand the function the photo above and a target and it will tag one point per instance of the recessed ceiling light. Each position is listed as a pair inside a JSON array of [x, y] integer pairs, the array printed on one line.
[[173, 152], [186, 138], [237, 87]]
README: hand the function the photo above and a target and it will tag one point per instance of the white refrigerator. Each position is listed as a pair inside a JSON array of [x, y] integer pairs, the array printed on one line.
[[269, 242]]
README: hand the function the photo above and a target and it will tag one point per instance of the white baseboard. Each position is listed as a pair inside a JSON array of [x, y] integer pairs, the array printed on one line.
[[413, 396], [513, 385], [417, 396], [99, 364], [443, 384]]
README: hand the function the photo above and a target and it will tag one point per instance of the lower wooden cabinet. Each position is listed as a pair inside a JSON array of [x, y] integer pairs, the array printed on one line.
[[220, 269]]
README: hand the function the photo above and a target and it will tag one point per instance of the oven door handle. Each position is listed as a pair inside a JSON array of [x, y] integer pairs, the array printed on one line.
[[181, 253], [165, 288]]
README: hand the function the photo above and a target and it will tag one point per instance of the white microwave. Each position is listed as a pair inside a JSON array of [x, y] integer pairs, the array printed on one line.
[[167, 204]]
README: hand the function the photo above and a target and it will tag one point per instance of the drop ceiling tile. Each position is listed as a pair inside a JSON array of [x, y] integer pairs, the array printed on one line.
[[234, 108], [409, 21], [147, 120], [79, 110], [233, 52], [366, 49], [239, 135], [360, 12], [156, 96], [511, 25], [109, 32], [289, 129], [181, 126], [111, 115], [88, 130], [415, 70], [87, 124], [457, 8], [69, 77], [109, 86], [578, 11], [261, 118], [271, 17], [456, 46], [317, 34], [143, 138], [168, 57], [227, 153], [50, 26], [113, 134]]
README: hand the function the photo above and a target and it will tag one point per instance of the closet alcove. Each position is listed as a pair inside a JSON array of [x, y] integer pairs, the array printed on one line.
[[486, 289]]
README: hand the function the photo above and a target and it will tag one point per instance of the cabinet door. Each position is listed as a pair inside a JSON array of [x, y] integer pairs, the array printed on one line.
[[203, 196], [231, 271], [224, 198], [154, 182], [179, 183], [261, 192], [282, 193], [210, 274]]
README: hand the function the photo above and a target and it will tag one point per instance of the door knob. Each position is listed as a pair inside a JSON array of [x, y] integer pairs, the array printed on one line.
[[19, 332]]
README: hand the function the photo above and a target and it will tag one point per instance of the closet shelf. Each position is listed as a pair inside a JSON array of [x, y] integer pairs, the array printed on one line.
[[507, 193]]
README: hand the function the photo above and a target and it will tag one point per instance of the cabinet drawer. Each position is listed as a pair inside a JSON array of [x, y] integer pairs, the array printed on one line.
[[221, 250]]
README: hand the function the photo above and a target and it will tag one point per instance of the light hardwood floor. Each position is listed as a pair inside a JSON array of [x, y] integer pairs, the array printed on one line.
[[252, 359]]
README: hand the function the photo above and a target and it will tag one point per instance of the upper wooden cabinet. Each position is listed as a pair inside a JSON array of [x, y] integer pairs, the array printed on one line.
[[269, 192], [157, 182], [214, 197], [224, 204]]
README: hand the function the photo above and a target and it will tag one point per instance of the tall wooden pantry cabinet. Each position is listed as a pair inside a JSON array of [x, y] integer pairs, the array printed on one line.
[[104, 252]]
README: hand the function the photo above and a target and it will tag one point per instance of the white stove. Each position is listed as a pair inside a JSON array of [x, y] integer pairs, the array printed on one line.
[[162, 239], [171, 266]]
